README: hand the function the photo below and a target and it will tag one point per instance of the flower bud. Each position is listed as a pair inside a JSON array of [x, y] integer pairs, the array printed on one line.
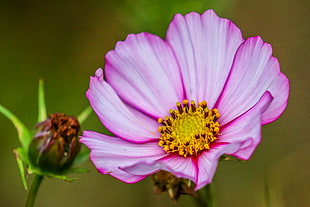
[[56, 144], [167, 182]]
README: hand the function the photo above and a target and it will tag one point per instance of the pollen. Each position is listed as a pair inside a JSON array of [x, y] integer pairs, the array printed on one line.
[[190, 129]]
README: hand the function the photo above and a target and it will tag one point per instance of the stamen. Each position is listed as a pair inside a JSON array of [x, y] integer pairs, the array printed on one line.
[[190, 129], [179, 107]]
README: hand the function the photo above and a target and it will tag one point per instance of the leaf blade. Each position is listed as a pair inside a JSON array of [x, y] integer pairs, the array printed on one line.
[[41, 102], [24, 134], [18, 152]]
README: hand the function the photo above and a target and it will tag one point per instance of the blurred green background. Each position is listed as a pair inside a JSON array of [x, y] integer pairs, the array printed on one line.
[[65, 42]]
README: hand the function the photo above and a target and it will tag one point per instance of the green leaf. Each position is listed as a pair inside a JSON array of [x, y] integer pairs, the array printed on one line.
[[81, 157], [83, 116], [24, 134], [19, 152], [41, 102]]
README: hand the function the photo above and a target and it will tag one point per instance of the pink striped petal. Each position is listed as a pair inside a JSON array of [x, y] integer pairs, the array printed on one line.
[[111, 154], [253, 73], [246, 129], [198, 169], [121, 120], [280, 92], [177, 165], [180, 166], [144, 73], [205, 46]]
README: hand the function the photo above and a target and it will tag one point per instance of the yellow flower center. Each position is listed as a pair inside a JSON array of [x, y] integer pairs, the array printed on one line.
[[190, 129]]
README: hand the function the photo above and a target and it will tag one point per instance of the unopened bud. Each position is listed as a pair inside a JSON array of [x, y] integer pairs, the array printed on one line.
[[56, 144]]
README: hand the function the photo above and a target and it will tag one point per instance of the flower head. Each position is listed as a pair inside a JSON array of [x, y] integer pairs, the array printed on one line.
[[179, 104]]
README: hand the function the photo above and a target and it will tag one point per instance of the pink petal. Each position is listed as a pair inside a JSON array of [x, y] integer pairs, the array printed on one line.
[[144, 73], [180, 166], [246, 129], [205, 46], [123, 121], [177, 165], [280, 92], [208, 160], [198, 169], [111, 154], [253, 73]]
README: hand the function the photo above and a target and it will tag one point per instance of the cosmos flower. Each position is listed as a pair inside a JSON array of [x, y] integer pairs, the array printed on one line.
[[179, 104]]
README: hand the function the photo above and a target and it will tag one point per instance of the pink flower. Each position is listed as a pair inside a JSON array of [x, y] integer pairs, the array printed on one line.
[[179, 104]]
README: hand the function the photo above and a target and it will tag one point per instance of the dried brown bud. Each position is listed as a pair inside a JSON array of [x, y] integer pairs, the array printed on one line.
[[167, 182], [56, 144]]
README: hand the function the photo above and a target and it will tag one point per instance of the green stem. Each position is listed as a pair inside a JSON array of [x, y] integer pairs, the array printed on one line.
[[205, 197], [34, 190]]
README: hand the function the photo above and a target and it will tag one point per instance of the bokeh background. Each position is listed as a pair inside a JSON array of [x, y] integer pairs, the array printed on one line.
[[65, 42]]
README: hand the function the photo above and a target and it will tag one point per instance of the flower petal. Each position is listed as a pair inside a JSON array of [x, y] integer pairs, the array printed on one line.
[[111, 154], [144, 73], [177, 165], [126, 123], [208, 160], [246, 129], [280, 91], [205, 46], [198, 169], [253, 73], [180, 166]]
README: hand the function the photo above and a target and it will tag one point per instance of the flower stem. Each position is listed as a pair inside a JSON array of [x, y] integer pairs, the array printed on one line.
[[205, 197], [34, 190]]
